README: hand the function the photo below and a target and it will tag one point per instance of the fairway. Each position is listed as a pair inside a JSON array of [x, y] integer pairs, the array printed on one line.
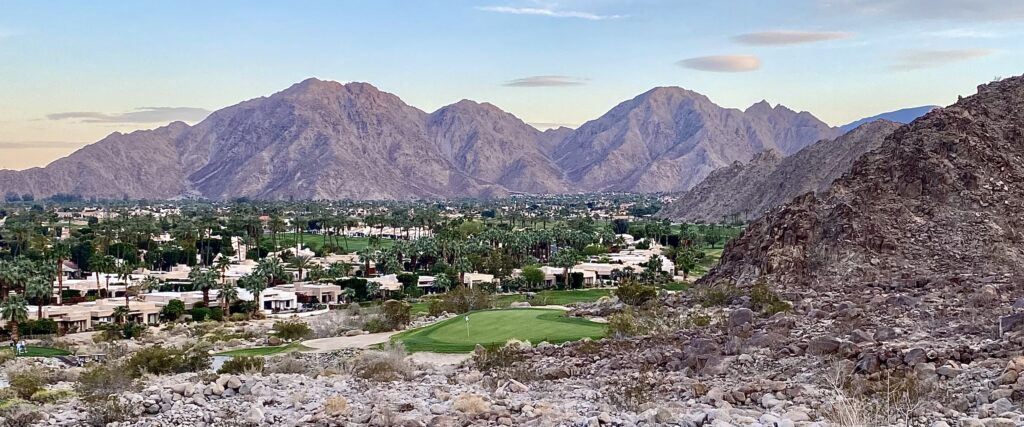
[[456, 335], [31, 351]]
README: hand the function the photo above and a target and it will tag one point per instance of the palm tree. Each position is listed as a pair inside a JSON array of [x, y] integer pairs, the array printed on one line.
[[255, 285], [566, 258], [228, 294], [271, 270], [276, 226], [121, 313], [14, 310], [347, 294], [299, 262], [203, 280], [149, 284], [41, 290], [338, 269], [223, 263], [60, 252]]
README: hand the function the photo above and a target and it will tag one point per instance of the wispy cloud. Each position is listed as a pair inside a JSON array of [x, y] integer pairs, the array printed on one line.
[[788, 37], [21, 145], [956, 10], [546, 81], [722, 63], [961, 33], [922, 58], [547, 11], [140, 115]]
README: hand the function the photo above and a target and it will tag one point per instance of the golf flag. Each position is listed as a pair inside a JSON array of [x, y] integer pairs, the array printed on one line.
[[467, 318]]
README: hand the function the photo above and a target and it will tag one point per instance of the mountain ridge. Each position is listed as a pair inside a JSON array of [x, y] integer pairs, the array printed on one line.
[[320, 139]]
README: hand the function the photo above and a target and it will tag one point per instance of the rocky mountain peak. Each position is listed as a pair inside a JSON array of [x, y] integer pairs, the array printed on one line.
[[938, 201]]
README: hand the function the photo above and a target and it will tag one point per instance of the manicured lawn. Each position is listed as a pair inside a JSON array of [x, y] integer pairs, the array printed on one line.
[[554, 297], [316, 241], [486, 327], [542, 298], [676, 286], [264, 351], [43, 352]]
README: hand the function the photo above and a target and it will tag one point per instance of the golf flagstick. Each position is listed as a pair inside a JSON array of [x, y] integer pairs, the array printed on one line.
[[467, 326]]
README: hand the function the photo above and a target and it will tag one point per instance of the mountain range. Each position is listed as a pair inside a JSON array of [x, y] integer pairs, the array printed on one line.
[[325, 140]]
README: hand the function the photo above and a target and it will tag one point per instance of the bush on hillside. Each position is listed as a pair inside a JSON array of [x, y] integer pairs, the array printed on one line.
[[292, 330], [397, 313], [635, 294], [461, 300], [242, 365]]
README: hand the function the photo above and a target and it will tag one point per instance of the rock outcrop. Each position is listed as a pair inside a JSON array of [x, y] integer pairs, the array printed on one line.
[[941, 201]]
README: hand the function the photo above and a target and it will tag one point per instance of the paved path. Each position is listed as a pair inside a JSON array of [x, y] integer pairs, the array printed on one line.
[[338, 343]]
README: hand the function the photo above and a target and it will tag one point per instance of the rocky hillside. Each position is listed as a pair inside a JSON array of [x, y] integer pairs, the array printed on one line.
[[746, 191], [941, 201], [324, 140], [669, 139]]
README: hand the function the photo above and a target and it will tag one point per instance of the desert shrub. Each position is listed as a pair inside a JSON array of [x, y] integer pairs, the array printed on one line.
[[115, 331], [199, 314], [112, 409], [636, 294], [765, 300], [697, 319], [885, 399], [648, 321], [461, 300], [397, 313], [51, 396], [631, 392], [624, 324], [330, 324], [26, 382], [38, 327], [376, 324], [336, 406], [216, 315], [287, 364], [716, 294], [239, 317], [292, 330], [173, 310], [505, 361], [168, 360], [242, 365], [19, 414], [6, 355], [471, 404], [388, 364]]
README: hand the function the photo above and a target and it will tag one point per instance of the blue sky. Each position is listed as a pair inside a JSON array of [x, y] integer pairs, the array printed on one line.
[[72, 72]]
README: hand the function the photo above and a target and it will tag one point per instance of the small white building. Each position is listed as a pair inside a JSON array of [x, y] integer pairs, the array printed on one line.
[[272, 300]]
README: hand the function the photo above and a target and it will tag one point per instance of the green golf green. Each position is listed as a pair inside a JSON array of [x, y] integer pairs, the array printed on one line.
[[457, 335]]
